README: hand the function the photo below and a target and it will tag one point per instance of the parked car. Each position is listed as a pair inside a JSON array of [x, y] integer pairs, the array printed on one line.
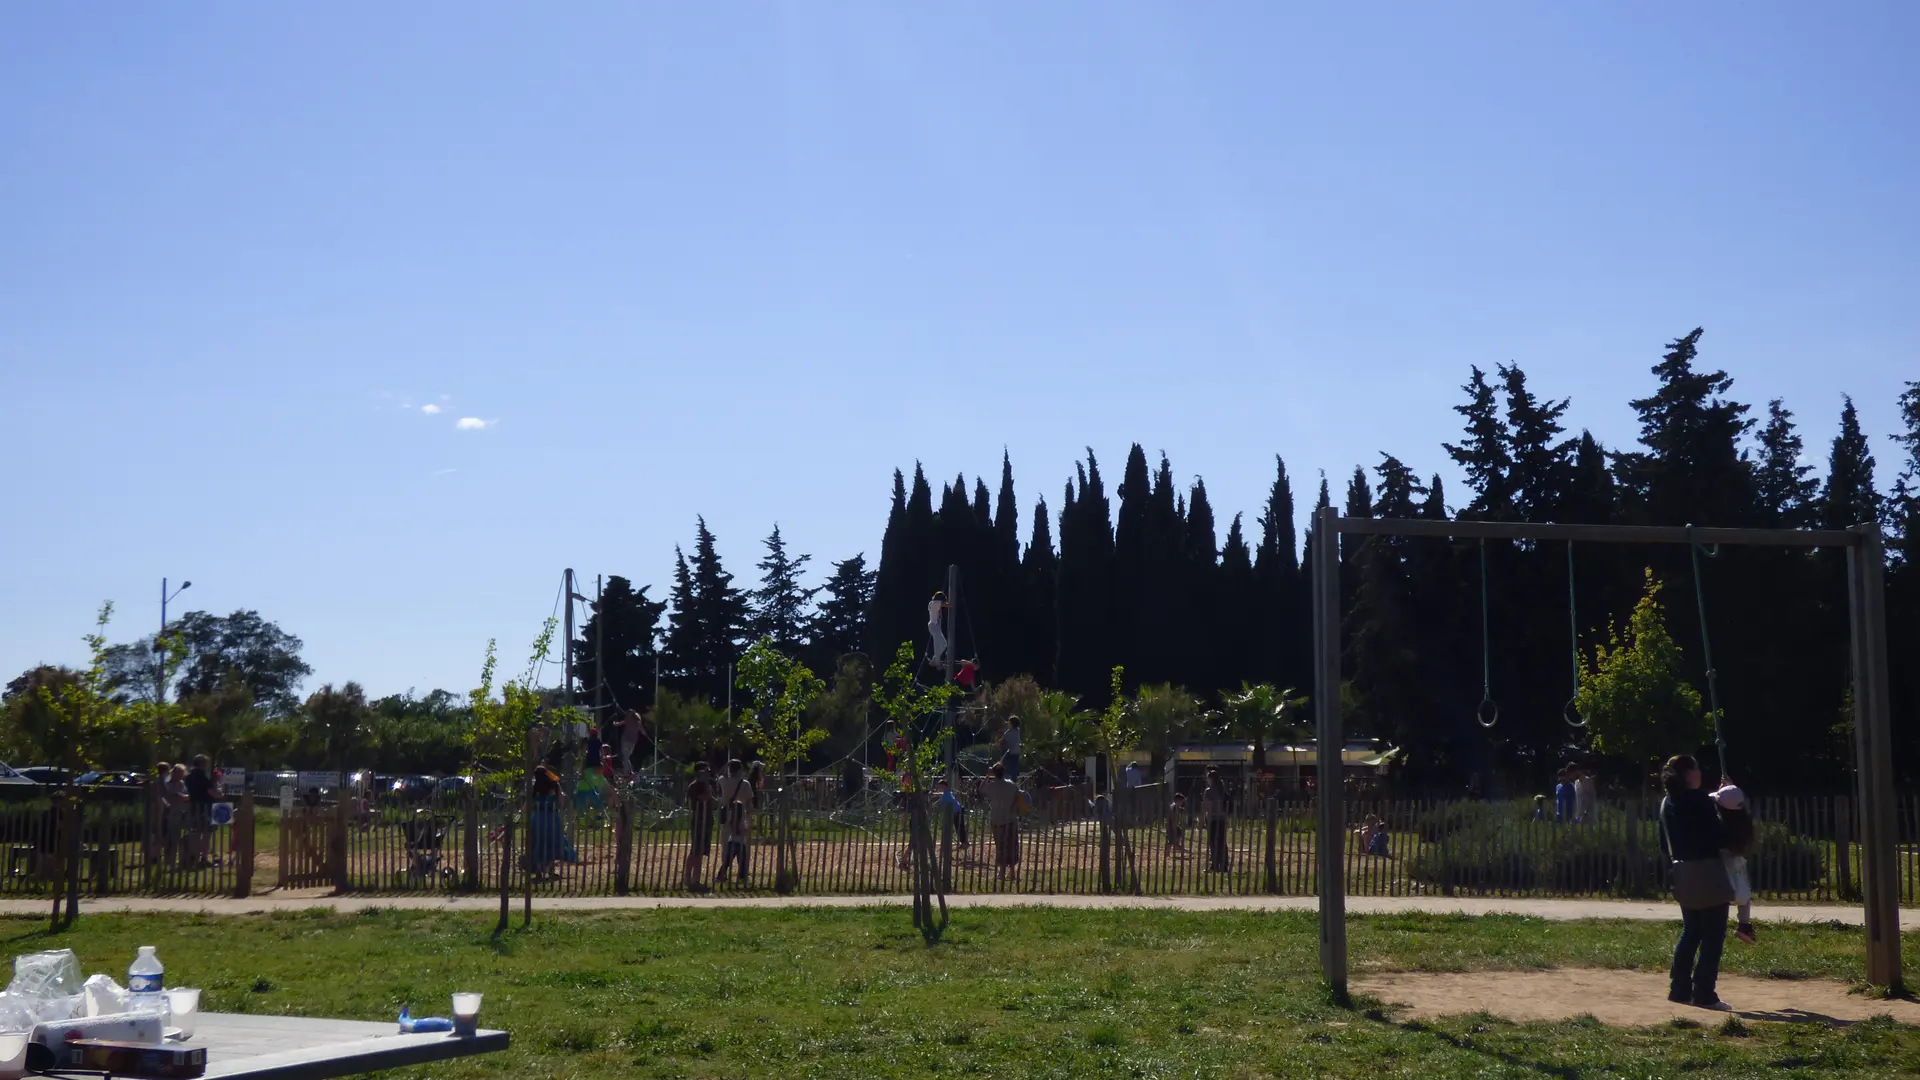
[[108, 779], [412, 789], [45, 774], [453, 788]]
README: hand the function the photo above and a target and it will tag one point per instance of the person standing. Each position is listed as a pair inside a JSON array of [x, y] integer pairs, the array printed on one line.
[[1213, 806], [1691, 837], [700, 816], [1586, 797], [1010, 749], [1563, 797], [1002, 797], [199, 784]]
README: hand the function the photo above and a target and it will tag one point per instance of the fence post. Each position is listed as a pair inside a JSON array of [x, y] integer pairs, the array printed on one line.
[[76, 825], [1106, 853], [1273, 872], [244, 839], [623, 838], [1843, 847], [470, 816], [338, 849]]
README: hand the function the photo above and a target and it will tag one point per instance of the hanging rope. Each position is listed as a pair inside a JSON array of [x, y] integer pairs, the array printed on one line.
[[1706, 650], [1488, 713], [1571, 714]]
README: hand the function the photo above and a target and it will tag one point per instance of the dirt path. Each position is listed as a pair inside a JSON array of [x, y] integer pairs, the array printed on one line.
[[1560, 910], [1622, 998]]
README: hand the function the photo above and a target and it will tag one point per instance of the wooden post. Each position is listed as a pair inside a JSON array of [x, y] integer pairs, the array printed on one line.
[[506, 875], [1873, 745], [1106, 842], [244, 837], [337, 850], [1273, 874], [471, 819], [623, 840], [1843, 849], [1326, 706]]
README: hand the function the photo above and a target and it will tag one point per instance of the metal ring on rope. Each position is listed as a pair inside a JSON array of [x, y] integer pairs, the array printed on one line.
[[1488, 713], [1571, 714]]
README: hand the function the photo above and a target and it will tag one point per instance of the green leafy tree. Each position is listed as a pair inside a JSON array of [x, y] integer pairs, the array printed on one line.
[[625, 624], [913, 710], [1639, 705], [779, 690], [214, 649], [1166, 716], [498, 742]]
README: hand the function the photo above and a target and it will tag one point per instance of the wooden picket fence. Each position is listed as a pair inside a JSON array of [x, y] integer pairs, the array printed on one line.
[[817, 844], [108, 841]]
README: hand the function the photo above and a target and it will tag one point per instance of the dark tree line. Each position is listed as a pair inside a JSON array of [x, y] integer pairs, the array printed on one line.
[[1149, 576]]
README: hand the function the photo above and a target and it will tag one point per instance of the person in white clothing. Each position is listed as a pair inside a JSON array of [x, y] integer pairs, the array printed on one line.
[[936, 620], [1586, 797]]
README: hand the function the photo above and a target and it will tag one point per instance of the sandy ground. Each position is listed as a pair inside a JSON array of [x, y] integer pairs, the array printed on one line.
[[1559, 910], [1622, 998]]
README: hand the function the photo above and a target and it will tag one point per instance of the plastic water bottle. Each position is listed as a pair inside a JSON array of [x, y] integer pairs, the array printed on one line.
[[145, 980]]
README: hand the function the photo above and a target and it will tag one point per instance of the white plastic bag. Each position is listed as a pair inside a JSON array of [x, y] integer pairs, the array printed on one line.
[[46, 975], [104, 996]]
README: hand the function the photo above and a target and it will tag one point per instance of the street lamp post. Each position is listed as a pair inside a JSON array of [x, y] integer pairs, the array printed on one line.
[[160, 644]]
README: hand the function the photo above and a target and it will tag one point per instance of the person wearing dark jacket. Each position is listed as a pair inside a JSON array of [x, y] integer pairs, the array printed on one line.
[[1691, 836]]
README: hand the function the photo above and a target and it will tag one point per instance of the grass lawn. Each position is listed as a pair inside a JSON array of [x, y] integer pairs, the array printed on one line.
[[1048, 993]]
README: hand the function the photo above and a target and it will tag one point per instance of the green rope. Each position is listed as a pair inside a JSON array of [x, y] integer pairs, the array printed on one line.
[[1489, 713], [1572, 712], [1706, 651]]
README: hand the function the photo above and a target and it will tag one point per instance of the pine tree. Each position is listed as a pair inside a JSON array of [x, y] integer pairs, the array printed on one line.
[[1277, 559], [780, 603], [1241, 632], [710, 618], [1541, 461], [1484, 455], [1692, 471], [1590, 499], [1401, 493], [1786, 492], [839, 624], [1904, 506], [1850, 497], [1359, 495], [624, 624]]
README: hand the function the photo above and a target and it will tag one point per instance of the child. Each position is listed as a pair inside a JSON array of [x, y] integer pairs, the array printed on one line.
[[1539, 808], [1739, 825], [1373, 836], [1176, 827]]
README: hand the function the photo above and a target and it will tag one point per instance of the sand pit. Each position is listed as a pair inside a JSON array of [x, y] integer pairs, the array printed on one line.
[[1622, 998]]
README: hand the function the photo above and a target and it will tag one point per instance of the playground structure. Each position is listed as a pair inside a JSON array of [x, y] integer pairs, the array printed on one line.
[[1866, 605]]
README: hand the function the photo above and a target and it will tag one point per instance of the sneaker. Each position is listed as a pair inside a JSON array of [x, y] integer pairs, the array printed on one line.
[[1710, 1001], [1745, 933], [1680, 997]]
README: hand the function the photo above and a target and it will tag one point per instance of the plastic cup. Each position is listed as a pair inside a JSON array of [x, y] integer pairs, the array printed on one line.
[[13, 1055], [466, 1014], [185, 1003]]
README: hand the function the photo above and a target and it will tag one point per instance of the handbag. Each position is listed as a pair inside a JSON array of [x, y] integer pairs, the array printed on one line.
[[1700, 883]]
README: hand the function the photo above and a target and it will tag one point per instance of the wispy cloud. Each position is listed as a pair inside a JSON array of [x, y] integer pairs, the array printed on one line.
[[430, 409], [445, 472], [473, 423]]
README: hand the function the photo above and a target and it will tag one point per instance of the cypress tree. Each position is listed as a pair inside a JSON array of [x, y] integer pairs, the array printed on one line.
[[1850, 497], [1787, 493], [889, 619], [780, 603], [1484, 455], [1280, 646], [1200, 630], [1087, 617], [1039, 573], [1241, 630]]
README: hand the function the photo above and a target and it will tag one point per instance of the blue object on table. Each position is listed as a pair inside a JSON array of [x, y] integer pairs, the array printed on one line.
[[409, 1025]]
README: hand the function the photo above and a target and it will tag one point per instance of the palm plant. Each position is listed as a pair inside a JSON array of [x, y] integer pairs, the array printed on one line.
[[1261, 713]]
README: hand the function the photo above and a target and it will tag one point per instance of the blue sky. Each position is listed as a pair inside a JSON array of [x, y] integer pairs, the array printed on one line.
[[671, 259]]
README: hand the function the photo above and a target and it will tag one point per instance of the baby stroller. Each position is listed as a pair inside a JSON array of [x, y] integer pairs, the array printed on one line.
[[425, 838]]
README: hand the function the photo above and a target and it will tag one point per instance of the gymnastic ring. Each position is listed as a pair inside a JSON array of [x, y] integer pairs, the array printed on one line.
[[1488, 714]]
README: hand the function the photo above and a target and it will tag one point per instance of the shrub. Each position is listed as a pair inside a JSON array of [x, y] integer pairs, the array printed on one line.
[[1479, 865], [1781, 860]]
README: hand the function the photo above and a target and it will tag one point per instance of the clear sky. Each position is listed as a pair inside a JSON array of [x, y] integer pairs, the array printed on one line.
[[374, 316]]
